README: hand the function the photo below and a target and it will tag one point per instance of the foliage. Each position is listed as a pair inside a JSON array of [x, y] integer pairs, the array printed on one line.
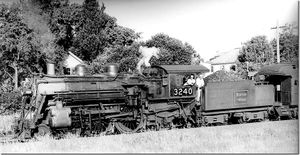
[[254, 53], [120, 36], [89, 40], [172, 51], [18, 46], [256, 50], [63, 24], [48, 5], [94, 31], [10, 102], [126, 56], [288, 44]]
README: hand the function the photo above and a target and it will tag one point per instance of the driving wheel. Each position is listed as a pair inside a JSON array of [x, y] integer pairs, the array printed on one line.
[[133, 122], [104, 127]]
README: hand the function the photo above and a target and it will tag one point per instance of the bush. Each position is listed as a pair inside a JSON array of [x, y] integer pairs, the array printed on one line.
[[10, 102]]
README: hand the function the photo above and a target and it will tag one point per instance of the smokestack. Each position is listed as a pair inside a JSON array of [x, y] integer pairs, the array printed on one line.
[[50, 69]]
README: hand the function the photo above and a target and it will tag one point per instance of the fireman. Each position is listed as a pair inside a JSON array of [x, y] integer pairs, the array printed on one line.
[[200, 85]]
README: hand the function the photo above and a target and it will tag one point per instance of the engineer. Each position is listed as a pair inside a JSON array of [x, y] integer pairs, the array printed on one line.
[[191, 81]]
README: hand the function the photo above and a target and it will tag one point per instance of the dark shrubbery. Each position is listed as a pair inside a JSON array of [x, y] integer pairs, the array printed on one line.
[[10, 102]]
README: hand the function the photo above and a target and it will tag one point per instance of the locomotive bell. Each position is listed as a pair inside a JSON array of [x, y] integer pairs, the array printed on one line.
[[50, 69]]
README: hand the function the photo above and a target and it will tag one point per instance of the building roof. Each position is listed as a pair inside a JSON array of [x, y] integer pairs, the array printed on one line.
[[75, 57], [177, 69], [226, 57]]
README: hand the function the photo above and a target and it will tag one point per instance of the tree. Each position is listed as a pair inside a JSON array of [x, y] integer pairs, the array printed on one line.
[[120, 36], [37, 14], [95, 30], [90, 39], [172, 51], [63, 23], [47, 5], [86, 30], [126, 56], [255, 53], [17, 44], [256, 50], [288, 44]]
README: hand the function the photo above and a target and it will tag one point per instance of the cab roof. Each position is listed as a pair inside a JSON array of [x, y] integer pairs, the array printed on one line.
[[278, 69], [181, 69]]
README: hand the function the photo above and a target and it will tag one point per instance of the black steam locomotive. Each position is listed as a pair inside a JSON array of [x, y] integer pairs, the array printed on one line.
[[157, 98]]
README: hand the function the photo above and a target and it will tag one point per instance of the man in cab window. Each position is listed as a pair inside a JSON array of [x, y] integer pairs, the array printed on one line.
[[191, 81]]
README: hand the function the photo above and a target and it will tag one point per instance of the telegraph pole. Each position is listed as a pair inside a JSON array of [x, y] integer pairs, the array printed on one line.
[[277, 38]]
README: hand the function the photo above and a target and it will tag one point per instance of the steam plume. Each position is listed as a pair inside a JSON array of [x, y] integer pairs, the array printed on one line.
[[31, 16], [147, 53]]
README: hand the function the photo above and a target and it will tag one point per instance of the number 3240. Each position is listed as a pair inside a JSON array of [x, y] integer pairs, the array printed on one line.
[[183, 91]]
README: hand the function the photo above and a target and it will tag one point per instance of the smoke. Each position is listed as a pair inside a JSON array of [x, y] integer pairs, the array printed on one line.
[[147, 53], [31, 15]]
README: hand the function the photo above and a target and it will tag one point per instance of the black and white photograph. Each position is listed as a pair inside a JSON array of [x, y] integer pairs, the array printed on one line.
[[149, 76]]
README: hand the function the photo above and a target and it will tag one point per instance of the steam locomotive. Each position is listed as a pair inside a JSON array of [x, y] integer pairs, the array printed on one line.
[[155, 99]]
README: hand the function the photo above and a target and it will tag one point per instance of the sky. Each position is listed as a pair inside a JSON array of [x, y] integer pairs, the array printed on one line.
[[208, 25]]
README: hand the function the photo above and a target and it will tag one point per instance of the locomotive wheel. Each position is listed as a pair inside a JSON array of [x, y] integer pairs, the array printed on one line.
[[240, 120], [105, 127], [43, 130], [130, 125]]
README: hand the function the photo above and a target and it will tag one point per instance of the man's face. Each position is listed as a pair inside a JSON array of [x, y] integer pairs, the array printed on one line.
[[192, 76]]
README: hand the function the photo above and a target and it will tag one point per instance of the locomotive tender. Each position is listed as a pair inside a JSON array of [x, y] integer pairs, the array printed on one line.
[[126, 103]]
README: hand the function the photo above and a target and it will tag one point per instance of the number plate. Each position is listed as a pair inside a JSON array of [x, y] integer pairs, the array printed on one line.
[[187, 91], [241, 97]]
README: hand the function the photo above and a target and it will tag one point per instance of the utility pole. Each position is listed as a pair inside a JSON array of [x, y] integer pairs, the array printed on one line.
[[277, 38]]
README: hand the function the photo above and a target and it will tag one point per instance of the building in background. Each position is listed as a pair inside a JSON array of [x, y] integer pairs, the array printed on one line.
[[225, 60], [70, 63]]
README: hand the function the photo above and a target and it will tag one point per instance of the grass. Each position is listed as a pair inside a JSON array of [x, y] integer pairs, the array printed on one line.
[[6, 121], [264, 137]]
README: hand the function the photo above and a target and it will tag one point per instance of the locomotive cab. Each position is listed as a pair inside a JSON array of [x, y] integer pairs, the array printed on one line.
[[171, 95], [173, 81]]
